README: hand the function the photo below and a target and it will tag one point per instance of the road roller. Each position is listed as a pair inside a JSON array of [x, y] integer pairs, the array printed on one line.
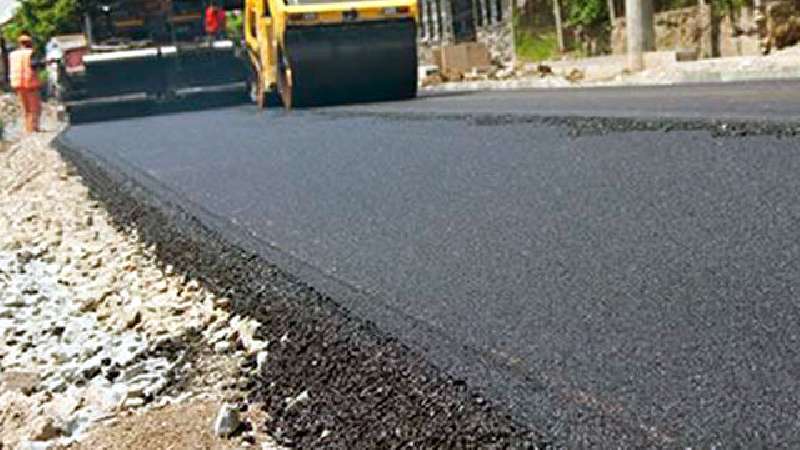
[[323, 52]]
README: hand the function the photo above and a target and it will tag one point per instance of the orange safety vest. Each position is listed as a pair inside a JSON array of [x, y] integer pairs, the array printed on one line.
[[22, 75]]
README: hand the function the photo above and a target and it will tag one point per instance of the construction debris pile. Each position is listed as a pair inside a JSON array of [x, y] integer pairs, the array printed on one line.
[[472, 62], [431, 76]]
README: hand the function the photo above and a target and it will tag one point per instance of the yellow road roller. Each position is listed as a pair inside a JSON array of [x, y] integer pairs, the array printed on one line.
[[323, 52]]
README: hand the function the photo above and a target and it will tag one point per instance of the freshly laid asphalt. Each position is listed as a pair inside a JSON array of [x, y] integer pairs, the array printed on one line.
[[757, 100], [608, 288]]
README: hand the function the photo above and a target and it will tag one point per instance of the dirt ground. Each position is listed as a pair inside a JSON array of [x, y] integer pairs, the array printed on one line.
[[184, 426]]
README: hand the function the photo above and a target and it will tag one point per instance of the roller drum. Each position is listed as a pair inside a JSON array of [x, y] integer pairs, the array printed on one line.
[[352, 62]]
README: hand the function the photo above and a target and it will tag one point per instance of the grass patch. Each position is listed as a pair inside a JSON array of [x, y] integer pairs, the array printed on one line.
[[532, 46]]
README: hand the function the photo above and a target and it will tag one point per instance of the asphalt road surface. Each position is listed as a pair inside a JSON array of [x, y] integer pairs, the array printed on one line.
[[776, 100], [613, 288]]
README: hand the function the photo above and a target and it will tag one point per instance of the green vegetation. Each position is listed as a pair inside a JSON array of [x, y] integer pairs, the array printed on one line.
[[44, 19], [234, 26], [534, 26], [535, 46], [47, 18], [586, 12]]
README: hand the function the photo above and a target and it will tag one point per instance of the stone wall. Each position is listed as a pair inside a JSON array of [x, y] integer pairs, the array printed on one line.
[[782, 23], [679, 29], [744, 32], [739, 35]]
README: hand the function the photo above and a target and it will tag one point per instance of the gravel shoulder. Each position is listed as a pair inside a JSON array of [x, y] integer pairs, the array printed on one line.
[[101, 345]]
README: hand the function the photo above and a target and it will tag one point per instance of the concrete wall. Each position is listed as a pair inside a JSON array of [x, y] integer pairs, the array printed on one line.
[[746, 32]]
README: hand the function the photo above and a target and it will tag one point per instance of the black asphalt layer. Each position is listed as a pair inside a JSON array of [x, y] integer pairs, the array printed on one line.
[[361, 388], [755, 100], [624, 288]]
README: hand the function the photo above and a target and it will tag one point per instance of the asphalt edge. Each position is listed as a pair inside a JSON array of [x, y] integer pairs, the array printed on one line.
[[470, 421]]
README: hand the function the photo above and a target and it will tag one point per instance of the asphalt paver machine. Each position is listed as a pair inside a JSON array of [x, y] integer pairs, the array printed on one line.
[[149, 56]]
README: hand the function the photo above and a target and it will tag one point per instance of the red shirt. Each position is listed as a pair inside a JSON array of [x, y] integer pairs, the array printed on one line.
[[212, 20]]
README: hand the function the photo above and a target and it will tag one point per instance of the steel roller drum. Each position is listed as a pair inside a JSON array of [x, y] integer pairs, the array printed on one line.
[[352, 62]]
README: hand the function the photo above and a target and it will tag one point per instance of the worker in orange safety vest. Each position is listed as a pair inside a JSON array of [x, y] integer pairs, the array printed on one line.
[[25, 81]]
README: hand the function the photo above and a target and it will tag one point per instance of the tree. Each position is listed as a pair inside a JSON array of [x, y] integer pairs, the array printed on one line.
[[559, 26], [44, 19], [587, 12]]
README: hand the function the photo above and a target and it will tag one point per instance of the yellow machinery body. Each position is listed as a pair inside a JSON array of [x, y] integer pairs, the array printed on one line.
[[314, 52]]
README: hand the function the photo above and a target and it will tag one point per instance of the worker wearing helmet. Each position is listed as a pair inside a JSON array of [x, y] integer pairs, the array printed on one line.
[[25, 81]]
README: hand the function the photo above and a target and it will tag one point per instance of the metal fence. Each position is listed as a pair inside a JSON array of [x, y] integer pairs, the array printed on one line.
[[446, 21]]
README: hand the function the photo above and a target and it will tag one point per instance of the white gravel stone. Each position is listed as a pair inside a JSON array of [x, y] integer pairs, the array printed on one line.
[[261, 361], [303, 397], [44, 428], [223, 347], [227, 421], [35, 445]]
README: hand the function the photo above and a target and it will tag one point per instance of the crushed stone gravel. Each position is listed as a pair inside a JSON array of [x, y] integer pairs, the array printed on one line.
[[93, 328]]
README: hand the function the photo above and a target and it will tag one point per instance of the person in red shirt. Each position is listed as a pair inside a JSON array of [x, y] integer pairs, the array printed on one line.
[[215, 21]]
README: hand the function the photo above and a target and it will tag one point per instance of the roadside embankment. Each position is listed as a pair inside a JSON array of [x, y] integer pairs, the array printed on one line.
[[98, 340]]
